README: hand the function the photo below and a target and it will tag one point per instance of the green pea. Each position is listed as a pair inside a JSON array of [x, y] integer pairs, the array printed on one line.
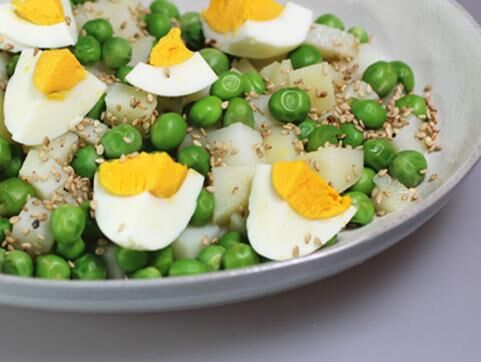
[[239, 256], [322, 135], [100, 29], [123, 72], [229, 85], [304, 56], [330, 20], [212, 257], [307, 127], [168, 131], [116, 52], [12, 65], [254, 83], [414, 102], [204, 210], [158, 25], [147, 273], [5, 153], [365, 208], [405, 75], [409, 168], [290, 105], [360, 33], [217, 60], [191, 25], [84, 162], [121, 140], [3, 254], [378, 153], [18, 263], [239, 111], [370, 112], [131, 260], [14, 194], [162, 259], [5, 226], [13, 168], [197, 158], [77, 2], [98, 109], [89, 267], [88, 50], [229, 239], [71, 251], [366, 183], [185, 267], [331, 242], [382, 77], [68, 223], [165, 7], [206, 112], [352, 136], [52, 267]]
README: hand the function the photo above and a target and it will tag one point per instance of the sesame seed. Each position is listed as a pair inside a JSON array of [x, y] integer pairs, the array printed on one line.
[[296, 252]]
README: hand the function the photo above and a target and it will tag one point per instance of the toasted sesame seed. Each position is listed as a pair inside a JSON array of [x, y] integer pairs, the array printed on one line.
[[296, 252]]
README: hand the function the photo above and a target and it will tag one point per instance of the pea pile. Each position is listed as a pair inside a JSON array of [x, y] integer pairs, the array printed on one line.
[[82, 252]]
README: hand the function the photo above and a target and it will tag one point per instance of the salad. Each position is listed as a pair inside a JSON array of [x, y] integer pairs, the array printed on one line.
[[144, 143]]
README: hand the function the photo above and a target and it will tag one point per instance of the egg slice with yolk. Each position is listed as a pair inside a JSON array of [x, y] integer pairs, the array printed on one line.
[[146, 201], [49, 93], [257, 29], [173, 70], [293, 212], [37, 24]]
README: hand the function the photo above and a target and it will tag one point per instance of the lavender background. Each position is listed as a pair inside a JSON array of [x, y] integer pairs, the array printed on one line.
[[420, 301]]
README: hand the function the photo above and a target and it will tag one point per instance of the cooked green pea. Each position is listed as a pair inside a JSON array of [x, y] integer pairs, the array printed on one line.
[[147, 273], [206, 112], [197, 158], [88, 50], [185, 267], [212, 257], [191, 25], [370, 112], [90, 267], [254, 83], [18, 263], [405, 75], [5, 153], [307, 127], [5, 226], [304, 56], [331, 242], [68, 223], [239, 256], [52, 267], [71, 251], [409, 168], [330, 20], [382, 77], [121, 140], [131, 260], [168, 131], [122, 73], [366, 182], [84, 162], [116, 52], [165, 7], [3, 254], [290, 105], [378, 153], [15, 164], [365, 208], [360, 33], [162, 259], [414, 102], [217, 60], [230, 238], [229, 85], [12, 65], [98, 109], [100, 29], [14, 194], [322, 135], [239, 111], [204, 210], [352, 136], [158, 25]]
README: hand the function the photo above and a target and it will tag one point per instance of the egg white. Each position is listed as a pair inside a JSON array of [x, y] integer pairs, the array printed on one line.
[[275, 230], [22, 34], [265, 39], [30, 116], [144, 221]]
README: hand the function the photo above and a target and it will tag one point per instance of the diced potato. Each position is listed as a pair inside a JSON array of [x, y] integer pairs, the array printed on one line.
[[232, 188], [33, 228], [238, 223], [3, 130], [368, 54], [406, 139], [270, 70], [141, 49], [320, 83], [191, 242], [244, 66], [236, 144], [90, 130], [279, 146], [262, 116], [391, 196], [278, 73], [113, 269], [259, 64], [360, 90], [341, 167], [61, 149], [332, 43]]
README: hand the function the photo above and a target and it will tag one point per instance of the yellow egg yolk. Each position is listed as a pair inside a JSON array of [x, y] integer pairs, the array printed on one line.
[[57, 72], [306, 192], [225, 16], [156, 173], [40, 12], [170, 50]]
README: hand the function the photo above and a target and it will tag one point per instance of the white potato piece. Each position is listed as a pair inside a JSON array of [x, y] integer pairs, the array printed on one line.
[[279, 146], [406, 138], [191, 242], [90, 130], [332, 43], [278, 73], [360, 90], [238, 223], [141, 49], [395, 196], [341, 167], [243, 65], [232, 188], [61, 149], [270, 70], [262, 116]]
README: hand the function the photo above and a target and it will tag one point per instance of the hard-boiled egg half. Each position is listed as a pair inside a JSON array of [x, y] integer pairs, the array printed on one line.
[[49, 93], [257, 29], [36, 24], [293, 211], [146, 201], [173, 70]]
